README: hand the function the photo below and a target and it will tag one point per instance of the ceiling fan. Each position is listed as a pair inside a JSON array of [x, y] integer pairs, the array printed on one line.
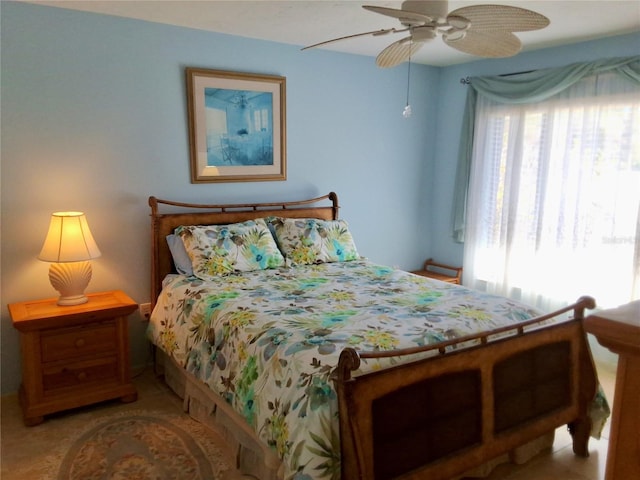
[[482, 30]]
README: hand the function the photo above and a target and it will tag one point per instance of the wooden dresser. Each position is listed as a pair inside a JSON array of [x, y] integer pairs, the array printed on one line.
[[73, 355], [618, 329]]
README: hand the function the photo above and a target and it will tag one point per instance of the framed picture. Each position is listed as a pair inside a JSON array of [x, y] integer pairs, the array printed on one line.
[[237, 126]]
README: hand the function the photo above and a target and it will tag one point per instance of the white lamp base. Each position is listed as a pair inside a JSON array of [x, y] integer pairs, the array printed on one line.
[[70, 279]]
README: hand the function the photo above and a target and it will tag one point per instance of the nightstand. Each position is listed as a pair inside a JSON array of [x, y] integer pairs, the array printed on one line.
[[73, 355], [440, 271]]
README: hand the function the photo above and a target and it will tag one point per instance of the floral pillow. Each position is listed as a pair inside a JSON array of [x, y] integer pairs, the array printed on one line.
[[217, 250], [305, 241]]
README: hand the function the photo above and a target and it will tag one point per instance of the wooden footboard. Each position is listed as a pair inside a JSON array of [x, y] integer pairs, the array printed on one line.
[[438, 417]]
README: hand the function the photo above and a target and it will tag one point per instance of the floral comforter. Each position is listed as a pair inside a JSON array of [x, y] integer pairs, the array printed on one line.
[[267, 341]]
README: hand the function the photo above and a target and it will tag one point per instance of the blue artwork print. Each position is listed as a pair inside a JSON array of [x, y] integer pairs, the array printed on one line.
[[239, 127]]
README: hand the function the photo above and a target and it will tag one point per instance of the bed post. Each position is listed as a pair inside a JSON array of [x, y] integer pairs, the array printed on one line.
[[333, 196], [352, 461], [153, 203], [580, 428]]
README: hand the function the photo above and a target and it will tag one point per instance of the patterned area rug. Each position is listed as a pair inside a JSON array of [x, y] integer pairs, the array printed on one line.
[[143, 446], [159, 443]]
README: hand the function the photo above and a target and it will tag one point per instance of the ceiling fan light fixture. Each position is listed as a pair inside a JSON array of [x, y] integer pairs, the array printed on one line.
[[453, 35], [457, 22], [423, 33]]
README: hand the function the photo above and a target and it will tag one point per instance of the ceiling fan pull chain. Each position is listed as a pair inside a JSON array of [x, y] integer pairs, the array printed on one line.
[[406, 113]]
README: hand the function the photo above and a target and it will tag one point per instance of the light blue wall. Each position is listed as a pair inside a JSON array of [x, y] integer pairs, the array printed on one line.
[[94, 119]]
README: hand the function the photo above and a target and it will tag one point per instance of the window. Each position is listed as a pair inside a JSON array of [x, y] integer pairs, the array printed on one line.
[[553, 209], [261, 120]]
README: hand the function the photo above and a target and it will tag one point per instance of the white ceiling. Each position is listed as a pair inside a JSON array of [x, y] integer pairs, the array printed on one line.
[[305, 22]]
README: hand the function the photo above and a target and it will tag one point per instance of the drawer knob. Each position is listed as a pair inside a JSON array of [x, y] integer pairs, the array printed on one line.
[[82, 376], [80, 343]]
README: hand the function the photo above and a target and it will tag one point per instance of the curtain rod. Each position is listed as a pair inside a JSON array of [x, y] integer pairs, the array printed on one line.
[[467, 80]]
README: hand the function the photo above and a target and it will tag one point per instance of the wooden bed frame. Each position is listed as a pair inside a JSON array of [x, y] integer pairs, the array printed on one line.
[[472, 400]]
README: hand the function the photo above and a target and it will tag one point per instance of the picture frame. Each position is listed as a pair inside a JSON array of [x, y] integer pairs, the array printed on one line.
[[237, 126]]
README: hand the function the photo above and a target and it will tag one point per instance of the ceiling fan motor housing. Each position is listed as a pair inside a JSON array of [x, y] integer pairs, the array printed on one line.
[[423, 33], [436, 9]]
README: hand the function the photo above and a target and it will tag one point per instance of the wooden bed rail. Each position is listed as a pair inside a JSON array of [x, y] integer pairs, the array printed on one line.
[[155, 203], [350, 357]]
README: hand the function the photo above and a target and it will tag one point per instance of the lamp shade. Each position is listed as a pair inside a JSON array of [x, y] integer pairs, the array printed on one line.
[[69, 239]]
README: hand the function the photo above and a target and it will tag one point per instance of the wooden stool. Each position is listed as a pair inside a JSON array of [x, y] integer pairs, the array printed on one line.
[[440, 271]]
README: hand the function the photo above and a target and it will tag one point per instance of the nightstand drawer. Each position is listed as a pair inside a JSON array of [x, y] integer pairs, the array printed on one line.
[[76, 342], [81, 373]]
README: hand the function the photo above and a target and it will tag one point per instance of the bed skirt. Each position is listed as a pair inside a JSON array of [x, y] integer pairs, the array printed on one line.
[[253, 457]]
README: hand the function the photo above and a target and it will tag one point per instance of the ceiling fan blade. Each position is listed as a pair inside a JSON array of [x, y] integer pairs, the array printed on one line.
[[402, 15], [486, 44], [501, 17], [375, 33], [398, 52]]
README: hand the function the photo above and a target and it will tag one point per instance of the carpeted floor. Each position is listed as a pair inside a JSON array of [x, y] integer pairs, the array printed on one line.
[[148, 439]]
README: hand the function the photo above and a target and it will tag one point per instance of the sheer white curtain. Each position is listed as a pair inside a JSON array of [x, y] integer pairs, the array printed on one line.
[[553, 206]]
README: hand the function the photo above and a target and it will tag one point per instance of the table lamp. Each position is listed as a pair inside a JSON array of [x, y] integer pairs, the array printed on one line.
[[69, 246]]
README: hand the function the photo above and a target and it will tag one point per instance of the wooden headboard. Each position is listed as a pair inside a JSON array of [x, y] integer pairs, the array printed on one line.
[[179, 213]]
